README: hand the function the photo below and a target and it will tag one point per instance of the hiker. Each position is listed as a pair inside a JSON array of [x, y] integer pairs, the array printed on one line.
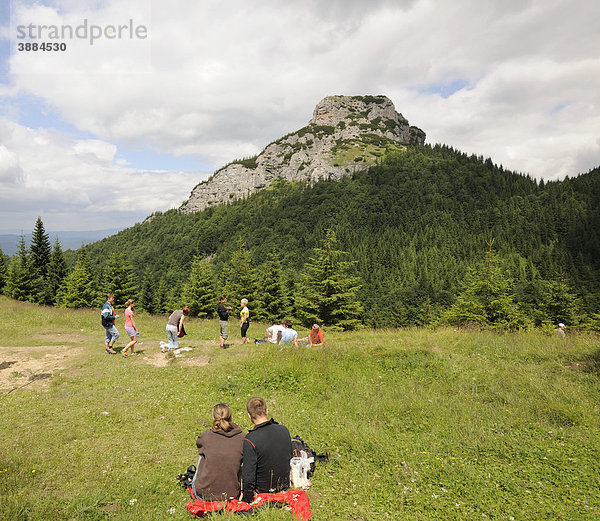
[[271, 332], [561, 330], [287, 335], [267, 453], [314, 338], [217, 474], [244, 320], [108, 321], [130, 328], [223, 312], [175, 326]]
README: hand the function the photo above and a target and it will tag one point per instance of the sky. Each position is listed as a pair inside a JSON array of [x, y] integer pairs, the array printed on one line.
[[131, 104]]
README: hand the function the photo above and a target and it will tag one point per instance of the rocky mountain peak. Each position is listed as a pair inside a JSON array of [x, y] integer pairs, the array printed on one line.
[[345, 134]]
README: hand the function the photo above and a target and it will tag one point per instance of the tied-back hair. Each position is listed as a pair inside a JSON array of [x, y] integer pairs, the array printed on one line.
[[129, 302], [222, 417]]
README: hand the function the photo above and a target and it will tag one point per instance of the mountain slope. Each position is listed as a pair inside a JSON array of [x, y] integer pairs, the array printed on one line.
[[346, 134], [414, 223]]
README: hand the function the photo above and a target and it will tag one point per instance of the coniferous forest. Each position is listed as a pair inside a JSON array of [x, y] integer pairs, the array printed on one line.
[[427, 236]]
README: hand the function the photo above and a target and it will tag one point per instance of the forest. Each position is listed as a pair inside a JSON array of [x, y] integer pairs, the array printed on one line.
[[428, 236]]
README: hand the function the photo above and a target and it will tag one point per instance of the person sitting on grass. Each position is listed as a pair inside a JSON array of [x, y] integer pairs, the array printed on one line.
[[315, 337], [217, 474], [267, 453], [271, 332], [287, 335]]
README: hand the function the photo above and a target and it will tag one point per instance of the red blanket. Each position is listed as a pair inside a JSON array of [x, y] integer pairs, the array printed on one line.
[[296, 500]]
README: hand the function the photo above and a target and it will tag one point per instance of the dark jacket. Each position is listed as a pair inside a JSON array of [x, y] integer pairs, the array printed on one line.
[[222, 312], [267, 453], [218, 470]]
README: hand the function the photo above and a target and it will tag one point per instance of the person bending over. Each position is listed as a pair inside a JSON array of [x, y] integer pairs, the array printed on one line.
[[267, 453]]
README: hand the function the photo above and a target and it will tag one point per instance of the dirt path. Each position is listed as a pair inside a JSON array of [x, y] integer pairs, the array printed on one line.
[[32, 366]]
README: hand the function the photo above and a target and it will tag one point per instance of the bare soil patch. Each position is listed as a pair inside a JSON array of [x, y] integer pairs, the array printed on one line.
[[33, 366]]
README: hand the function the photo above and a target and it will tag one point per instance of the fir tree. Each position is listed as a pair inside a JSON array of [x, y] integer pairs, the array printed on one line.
[[240, 282], [24, 283], [273, 294], [79, 287], [3, 270], [119, 279], [487, 299], [147, 296], [57, 271], [327, 293], [198, 292], [40, 249]]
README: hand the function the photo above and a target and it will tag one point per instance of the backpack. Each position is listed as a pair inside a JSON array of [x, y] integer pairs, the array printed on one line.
[[298, 445], [186, 479]]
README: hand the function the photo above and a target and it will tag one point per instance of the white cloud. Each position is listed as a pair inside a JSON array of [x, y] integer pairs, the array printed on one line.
[[76, 185], [219, 80]]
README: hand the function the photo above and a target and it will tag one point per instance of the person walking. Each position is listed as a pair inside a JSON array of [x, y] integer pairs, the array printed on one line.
[[108, 321], [175, 326], [244, 320], [130, 328], [223, 312]]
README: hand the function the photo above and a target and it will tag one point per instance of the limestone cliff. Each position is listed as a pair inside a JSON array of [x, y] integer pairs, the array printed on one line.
[[345, 134]]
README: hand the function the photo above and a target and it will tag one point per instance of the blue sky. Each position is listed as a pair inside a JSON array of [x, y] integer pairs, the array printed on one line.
[[102, 135]]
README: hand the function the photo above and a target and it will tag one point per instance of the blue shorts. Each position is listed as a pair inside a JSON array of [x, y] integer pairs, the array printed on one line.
[[112, 333]]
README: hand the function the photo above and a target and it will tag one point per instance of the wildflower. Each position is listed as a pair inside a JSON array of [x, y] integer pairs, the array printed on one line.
[[132, 501], [171, 510]]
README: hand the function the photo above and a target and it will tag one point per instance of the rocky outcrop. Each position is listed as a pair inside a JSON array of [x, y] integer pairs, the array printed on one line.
[[345, 134]]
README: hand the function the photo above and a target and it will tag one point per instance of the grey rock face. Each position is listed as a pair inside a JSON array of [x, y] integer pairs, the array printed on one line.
[[345, 134]]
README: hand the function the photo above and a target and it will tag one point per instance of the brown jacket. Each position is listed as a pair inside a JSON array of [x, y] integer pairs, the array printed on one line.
[[218, 475]]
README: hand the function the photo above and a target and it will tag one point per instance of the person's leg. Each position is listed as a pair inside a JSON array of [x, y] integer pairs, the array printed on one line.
[[171, 335], [108, 342]]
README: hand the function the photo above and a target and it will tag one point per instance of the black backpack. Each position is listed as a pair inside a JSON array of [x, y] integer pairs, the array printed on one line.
[[298, 444], [186, 479]]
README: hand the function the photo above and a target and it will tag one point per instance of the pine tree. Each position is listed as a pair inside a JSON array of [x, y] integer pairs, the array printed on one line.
[[487, 299], [147, 296], [273, 294], [3, 270], [119, 279], [240, 282], [326, 293], [57, 271], [40, 249], [24, 283], [79, 287], [198, 291]]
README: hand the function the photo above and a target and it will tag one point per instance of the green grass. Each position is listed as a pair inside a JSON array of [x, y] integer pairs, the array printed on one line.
[[420, 424]]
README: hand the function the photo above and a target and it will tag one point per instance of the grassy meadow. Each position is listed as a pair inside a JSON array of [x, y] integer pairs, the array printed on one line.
[[419, 423]]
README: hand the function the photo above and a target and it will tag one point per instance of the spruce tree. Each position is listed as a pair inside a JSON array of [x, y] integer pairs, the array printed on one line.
[[198, 291], [3, 270], [40, 249], [487, 299], [119, 279], [273, 293], [327, 293], [57, 271], [147, 296], [79, 287], [23, 283], [241, 282]]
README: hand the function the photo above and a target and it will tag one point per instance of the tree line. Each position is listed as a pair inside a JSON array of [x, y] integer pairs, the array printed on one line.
[[428, 236]]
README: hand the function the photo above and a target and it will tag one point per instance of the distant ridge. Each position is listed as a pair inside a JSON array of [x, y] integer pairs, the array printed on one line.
[[346, 134], [69, 240]]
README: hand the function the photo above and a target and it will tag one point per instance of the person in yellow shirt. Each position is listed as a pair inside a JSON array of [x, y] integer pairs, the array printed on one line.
[[244, 320]]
